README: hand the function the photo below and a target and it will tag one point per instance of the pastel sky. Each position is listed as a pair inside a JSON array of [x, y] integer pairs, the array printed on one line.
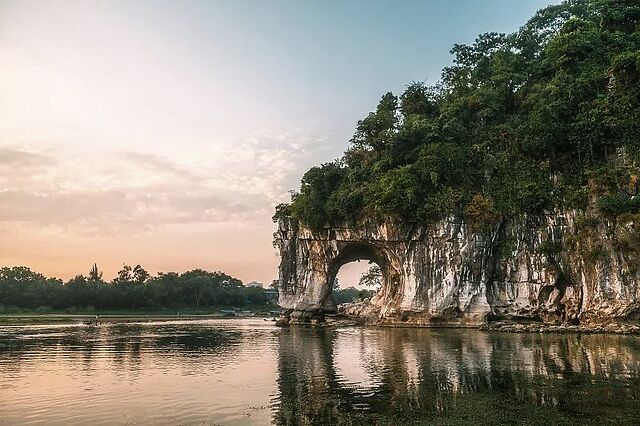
[[163, 133]]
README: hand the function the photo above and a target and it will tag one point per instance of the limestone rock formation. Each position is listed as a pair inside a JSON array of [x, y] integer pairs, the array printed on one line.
[[568, 268]]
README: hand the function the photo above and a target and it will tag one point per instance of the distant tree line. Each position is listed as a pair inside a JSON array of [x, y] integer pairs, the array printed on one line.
[[372, 277], [132, 289], [351, 294]]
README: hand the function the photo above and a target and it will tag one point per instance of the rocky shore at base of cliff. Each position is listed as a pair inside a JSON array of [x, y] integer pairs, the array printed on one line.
[[617, 328], [498, 326], [364, 313]]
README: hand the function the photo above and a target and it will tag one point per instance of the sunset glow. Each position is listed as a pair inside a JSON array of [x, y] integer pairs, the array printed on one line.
[[164, 133]]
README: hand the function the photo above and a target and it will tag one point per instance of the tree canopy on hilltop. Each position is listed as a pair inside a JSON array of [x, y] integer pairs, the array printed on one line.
[[521, 123]]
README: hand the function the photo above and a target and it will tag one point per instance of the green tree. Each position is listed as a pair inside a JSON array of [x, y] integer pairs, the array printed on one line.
[[94, 273], [125, 275], [139, 274], [372, 277]]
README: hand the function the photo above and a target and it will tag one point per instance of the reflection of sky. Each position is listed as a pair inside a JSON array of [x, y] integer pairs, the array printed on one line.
[[162, 373], [249, 371], [163, 133]]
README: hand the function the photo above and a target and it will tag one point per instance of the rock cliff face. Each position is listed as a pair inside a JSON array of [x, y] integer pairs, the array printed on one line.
[[568, 268]]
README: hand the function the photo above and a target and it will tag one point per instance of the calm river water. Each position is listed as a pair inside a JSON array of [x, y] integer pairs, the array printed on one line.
[[241, 372]]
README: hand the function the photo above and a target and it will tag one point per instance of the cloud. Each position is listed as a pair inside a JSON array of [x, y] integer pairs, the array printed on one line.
[[157, 164], [17, 160], [235, 182], [117, 209], [20, 206], [271, 163]]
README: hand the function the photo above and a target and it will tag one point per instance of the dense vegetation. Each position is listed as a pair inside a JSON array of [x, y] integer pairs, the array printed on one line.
[[132, 289], [351, 294], [522, 123], [370, 278]]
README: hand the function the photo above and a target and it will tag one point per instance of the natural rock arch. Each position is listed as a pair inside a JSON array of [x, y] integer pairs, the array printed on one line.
[[446, 273], [419, 281], [311, 261]]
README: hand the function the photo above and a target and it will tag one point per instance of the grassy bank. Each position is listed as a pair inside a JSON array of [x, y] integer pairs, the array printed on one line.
[[116, 316]]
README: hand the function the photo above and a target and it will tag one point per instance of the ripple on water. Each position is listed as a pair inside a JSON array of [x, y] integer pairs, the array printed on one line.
[[250, 372]]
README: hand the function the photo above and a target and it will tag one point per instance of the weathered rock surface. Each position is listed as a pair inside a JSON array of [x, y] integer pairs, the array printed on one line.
[[565, 269]]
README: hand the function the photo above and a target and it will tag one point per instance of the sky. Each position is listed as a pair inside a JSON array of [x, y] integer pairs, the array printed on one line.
[[163, 133]]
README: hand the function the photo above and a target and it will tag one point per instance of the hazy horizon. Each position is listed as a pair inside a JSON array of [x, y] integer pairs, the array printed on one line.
[[163, 134]]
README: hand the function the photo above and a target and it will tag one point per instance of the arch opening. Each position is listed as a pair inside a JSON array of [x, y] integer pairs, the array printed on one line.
[[355, 259], [357, 281], [361, 274]]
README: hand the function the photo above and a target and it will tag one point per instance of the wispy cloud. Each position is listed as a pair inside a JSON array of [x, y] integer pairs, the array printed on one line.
[[116, 207], [19, 161], [270, 163], [130, 192], [157, 164], [64, 206], [10, 157]]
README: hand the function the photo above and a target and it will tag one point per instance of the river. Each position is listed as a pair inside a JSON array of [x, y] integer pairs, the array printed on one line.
[[237, 372]]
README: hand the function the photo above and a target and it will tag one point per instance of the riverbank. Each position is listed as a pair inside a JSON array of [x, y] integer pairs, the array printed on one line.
[[612, 328], [115, 318], [329, 322], [496, 326]]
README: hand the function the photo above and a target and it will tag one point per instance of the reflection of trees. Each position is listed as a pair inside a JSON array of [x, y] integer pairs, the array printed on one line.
[[305, 375], [433, 373], [125, 344]]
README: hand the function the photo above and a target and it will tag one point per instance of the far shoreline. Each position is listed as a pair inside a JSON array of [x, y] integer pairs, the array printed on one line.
[[117, 318], [89, 320]]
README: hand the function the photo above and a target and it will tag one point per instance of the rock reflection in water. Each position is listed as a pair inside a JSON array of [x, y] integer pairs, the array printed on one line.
[[237, 372], [334, 376]]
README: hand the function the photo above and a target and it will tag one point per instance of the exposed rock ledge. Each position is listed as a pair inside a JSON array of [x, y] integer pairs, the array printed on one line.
[[568, 269]]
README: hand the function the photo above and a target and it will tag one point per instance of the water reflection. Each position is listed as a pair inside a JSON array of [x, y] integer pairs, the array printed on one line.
[[156, 373], [119, 342], [250, 372], [388, 375]]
